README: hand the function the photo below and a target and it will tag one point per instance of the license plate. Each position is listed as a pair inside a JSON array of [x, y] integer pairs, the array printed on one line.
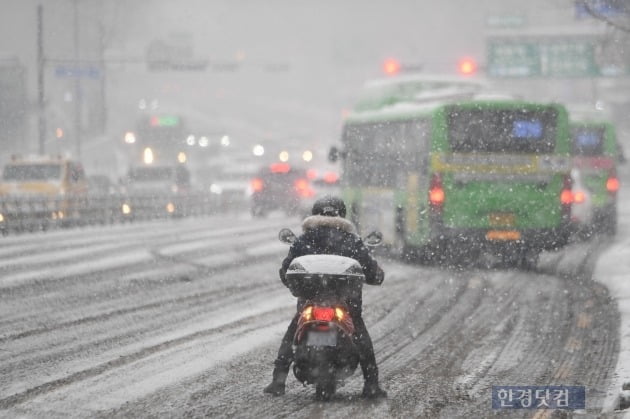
[[315, 338], [503, 235], [501, 219]]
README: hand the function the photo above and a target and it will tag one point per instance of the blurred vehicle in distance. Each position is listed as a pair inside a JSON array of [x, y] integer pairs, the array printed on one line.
[[595, 152], [104, 200], [43, 189], [101, 185], [280, 187], [156, 191], [229, 185]]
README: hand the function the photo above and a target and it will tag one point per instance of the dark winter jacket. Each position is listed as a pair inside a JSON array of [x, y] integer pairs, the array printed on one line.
[[333, 236]]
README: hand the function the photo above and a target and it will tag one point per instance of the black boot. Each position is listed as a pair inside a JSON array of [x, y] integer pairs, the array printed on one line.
[[371, 389], [276, 388]]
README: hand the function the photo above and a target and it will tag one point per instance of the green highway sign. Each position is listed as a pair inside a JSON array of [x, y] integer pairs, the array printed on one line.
[[544, 57]]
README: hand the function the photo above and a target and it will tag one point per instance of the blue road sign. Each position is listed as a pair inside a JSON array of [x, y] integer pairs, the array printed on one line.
[[68, 71]]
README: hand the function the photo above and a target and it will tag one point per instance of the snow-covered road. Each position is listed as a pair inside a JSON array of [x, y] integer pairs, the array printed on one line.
[[183, 318]]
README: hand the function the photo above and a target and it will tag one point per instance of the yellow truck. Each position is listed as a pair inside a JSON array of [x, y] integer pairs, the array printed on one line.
[[38, 190]]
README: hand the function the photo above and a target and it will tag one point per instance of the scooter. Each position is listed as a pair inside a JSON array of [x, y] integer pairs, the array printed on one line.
[[324, 350]]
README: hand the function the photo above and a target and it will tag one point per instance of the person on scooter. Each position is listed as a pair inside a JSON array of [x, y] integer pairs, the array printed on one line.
[[326, 231]]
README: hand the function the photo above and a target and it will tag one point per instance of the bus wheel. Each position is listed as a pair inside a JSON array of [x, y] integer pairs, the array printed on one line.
[[609, 222], [528, 259]]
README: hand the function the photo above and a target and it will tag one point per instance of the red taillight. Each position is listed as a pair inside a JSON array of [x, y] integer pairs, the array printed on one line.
[[325, 314], [436, 191], [280, 168], [612, 184], [331, 177], [257, 184], [579, 197], [566, 196], [311, 174], [303, 188]]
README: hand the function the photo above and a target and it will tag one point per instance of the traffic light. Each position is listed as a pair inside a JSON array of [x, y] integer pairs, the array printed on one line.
[[391, 66], [467, 66]]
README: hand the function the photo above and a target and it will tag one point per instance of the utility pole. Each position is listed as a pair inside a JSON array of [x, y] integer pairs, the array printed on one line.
[[41, 107], [77, 84]]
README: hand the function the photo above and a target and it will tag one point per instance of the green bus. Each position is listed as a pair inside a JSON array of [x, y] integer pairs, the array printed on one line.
[[595, 154], [454, 177]]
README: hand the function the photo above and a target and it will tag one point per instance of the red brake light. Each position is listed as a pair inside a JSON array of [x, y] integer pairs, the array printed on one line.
[[612, 184], [301, 184], [566, 197], [303, 188], [467, 66], [325, 314], [311, 174], [331, 177], [280, 168], [391, 66], [257, 184], [579, 197], [436, 191]]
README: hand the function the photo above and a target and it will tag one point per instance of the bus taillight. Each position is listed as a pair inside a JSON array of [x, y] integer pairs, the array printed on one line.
[[436, 191], [612, 185], [566, 197]]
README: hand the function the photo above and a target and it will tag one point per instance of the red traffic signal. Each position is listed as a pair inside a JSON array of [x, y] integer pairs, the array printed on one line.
[[391, 66], [467, 66]]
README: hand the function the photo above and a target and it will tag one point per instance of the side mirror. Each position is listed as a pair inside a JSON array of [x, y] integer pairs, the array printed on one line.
[[335, 154], [374, 239], [286, 236]]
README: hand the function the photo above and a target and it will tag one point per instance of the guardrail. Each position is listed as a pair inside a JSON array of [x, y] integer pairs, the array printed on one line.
[[24, 214]]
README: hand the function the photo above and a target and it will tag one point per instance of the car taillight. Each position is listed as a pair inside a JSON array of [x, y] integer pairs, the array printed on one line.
[[436, 191], [325, 314], [257, 184], [303, 188]]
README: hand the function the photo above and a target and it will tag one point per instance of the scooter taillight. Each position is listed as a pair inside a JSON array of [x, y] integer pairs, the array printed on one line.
[[325, 314]]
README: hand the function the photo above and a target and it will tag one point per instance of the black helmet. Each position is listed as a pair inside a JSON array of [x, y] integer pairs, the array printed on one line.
[[330, 206]]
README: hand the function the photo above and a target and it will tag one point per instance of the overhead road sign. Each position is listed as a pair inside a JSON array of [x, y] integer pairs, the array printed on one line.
[[544, 57], [72, 71]]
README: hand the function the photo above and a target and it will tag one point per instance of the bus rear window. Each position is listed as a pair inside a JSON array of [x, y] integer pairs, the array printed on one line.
[[381, 153], [485, 130], [32, 172], [587, 141]]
